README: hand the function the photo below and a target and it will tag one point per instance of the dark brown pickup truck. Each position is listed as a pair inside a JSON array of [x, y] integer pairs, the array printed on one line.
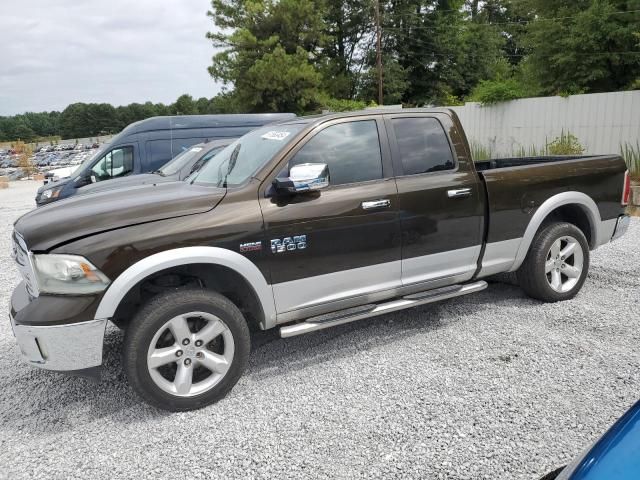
[[302, 225]]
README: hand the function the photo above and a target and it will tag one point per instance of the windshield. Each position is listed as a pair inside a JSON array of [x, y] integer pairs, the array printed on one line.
[[237, 162], [179, 161], [87, 163]]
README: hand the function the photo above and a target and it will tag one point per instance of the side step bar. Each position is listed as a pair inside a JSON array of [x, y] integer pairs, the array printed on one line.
[[360, 313]]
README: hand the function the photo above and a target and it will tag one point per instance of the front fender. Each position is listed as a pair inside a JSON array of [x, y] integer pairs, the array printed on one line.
[[184, 256]]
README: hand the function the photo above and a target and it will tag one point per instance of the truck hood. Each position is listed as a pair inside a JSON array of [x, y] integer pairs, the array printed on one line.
[[84, 215], [125, 182]]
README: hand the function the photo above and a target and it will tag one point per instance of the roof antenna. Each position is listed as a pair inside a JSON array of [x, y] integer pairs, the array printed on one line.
[[171, 135]]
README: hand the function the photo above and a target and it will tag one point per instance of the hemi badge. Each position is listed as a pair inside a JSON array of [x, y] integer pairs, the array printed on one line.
[[251, 247]]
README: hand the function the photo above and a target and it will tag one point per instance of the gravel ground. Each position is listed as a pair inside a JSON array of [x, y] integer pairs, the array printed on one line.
[[490, 386]]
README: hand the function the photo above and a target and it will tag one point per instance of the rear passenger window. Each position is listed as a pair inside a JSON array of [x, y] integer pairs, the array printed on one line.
[[423, 145], [351, 150]]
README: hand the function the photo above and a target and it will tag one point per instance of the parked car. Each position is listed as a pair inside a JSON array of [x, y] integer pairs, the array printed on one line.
[[304, 225], [145, 146], [177, 169], [615, 455]]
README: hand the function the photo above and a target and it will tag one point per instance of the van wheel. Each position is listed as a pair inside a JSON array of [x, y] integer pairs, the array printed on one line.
[[186, 349], [556, 265]]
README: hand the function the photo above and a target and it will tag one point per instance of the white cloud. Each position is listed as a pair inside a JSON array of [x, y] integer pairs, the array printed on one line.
[[56, 52]]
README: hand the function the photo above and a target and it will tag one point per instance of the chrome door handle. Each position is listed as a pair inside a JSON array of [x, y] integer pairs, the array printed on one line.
[[376, 204], [462, 192]]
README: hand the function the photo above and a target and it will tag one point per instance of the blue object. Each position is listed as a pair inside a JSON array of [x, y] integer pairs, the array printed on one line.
[[615, 456]]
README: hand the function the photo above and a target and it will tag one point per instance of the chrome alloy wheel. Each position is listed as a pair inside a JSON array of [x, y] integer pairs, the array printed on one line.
[[564, 264], [190, 354]]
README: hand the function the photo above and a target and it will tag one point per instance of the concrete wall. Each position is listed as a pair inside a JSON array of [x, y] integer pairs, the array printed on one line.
[[601, 121]]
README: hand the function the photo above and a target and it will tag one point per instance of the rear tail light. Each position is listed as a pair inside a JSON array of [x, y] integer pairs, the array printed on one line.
[[626, 189]]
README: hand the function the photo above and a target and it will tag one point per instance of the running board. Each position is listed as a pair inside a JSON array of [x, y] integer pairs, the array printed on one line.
[[367, 311]]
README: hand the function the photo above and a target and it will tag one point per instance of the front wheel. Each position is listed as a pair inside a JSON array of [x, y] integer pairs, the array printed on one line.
[[556, 265], [186, 349]]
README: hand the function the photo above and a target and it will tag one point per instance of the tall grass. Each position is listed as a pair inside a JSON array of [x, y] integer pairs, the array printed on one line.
[[532, 151], [631, 155], [565, 144], [480, 152]]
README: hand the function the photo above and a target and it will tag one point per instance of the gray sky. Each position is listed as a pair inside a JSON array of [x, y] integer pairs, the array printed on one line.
[[57, 52]]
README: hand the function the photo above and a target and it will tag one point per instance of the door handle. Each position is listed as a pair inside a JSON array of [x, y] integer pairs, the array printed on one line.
[[461, 192], [373, 204]]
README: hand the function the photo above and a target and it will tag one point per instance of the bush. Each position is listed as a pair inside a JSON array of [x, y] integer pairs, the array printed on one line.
[[340, 105], [631, 155], [24, 162], [565, 144], [489, 92]]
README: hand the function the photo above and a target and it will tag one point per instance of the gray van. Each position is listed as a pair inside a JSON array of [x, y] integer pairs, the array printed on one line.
[[145, 146], [177, 169]]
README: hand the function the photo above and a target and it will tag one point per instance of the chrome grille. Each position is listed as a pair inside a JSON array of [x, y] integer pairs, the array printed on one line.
[[22, 258]]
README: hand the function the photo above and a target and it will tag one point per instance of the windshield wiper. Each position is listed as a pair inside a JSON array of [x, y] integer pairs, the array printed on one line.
[[232, 164], [159, 172]]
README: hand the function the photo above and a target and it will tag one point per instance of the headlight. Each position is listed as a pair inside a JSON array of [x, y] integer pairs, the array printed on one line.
[[68, 274], [50, 194]]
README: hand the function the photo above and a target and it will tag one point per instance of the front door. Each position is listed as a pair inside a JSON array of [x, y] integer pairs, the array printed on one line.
[[340, 246], [440, 201]]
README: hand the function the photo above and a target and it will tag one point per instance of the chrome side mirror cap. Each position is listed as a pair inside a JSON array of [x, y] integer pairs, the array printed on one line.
[[305, 177]]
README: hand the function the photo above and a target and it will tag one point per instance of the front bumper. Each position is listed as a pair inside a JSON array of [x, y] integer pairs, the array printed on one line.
[[73, 346]]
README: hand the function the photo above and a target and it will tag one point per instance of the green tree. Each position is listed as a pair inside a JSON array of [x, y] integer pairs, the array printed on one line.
[[271, 52], [184, 105], [22, 131], [348, 29], [443, 48], [584, 46]]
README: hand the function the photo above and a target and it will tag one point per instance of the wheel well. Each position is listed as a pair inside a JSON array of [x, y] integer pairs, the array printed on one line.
[[217, 278], [575, 215]]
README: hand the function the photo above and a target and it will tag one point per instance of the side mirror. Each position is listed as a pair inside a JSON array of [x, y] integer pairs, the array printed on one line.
[[306, 177], [83, 180]]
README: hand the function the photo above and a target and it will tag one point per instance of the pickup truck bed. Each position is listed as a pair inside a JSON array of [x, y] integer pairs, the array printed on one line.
[[517, 188], [300, 226], [506, 162]]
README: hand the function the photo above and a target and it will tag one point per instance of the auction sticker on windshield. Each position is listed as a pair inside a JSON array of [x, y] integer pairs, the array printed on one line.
[[275, 135]]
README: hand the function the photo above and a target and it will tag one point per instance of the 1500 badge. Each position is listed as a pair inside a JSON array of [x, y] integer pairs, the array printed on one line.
[[288, 244]]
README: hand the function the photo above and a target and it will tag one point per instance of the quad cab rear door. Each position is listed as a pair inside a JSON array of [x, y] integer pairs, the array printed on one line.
[[440, 200]]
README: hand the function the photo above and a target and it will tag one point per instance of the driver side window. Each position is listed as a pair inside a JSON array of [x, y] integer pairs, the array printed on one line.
[[351, 150], [116, 163]]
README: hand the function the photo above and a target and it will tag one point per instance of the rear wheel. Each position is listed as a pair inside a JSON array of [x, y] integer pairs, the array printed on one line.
[[557, 263], [186, 349]]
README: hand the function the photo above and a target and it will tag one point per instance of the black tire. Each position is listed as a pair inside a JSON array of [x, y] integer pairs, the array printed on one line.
[[532, 276], [153, 316]]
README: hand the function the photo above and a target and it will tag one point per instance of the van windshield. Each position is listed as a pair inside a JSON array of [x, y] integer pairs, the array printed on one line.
[[179, 161], [240, 160], [88, 162]]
